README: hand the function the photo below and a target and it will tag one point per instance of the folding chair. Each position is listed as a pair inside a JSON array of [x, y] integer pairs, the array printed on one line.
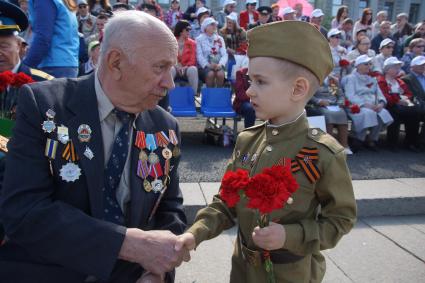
[[182, 102]]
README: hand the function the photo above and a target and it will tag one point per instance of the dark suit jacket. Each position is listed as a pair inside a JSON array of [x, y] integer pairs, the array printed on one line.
[[414, 86], [54, 227]]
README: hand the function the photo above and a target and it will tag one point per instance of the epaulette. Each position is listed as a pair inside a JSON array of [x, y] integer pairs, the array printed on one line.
[[3, 144], [41, 74], [325, 139], [254, 127]]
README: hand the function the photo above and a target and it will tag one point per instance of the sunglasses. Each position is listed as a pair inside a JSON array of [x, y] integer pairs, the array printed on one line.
[[82, 6], [389, 46], [336, 36], [420, 46]]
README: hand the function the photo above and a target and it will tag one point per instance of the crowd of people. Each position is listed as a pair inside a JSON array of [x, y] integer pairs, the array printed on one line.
[[377, 82]]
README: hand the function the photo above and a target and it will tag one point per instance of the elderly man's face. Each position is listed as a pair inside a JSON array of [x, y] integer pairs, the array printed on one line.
[[317, 20], [263, 18], [145, 81], [418, 69], [9, 52], [385, 30]]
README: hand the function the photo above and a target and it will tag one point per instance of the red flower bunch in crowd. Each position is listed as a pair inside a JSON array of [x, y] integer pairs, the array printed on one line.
[[8, 78], [267, 191], [393, 99], [214, 51], [218, 42], [354, 108], [344, 63]]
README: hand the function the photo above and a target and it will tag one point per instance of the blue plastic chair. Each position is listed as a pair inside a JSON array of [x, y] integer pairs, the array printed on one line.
[[217, 102], [182, 102]]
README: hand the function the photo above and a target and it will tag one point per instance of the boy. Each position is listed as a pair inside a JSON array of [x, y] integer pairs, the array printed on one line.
[[288, 62]]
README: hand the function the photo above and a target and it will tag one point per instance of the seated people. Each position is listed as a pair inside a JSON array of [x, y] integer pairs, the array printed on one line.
[[242, 103], [329, 101], [362, 47], [173, 15], [338, 52], [415, 81], [186, 59], [416, 48], [89, 66], [400, 105], [386, 50], [201, 14], [264, 16], [211, 54], [367, 105]]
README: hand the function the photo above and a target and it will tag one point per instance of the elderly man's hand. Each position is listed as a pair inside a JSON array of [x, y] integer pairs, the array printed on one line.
[[187, 240], [154, 250]]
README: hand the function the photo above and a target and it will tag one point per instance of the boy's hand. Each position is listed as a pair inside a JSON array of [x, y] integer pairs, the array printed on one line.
[[270, 238], [186, 240]]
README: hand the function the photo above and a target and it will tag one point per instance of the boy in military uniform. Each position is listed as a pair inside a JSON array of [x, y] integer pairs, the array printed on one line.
[[288, 62]]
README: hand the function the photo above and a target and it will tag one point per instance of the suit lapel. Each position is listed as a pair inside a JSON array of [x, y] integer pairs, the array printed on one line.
[[141, 201], [83, 104]]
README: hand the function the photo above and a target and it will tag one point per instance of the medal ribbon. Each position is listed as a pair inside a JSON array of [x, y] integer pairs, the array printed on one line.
[[140, 140], [151, 142], [69, 152], [284, 161], [173, 137], [142, 169], [162, 139], [51, 146], [306, 159], [156, 170], [167, 167]]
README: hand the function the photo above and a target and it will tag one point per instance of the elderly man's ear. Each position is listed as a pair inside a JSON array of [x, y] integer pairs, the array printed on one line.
[[114, 62]]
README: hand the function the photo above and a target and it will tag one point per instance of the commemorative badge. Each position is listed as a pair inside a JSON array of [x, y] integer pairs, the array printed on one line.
[[167, 153], [63, 135], [48, 126], [153, 158], [88, 153], [50, 114], [50, 150], [84, 133], [70, 172]]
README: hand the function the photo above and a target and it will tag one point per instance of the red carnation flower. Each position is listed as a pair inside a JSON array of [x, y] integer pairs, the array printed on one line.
[[20, 79], [6, 79], [344, 63], [347, 103], [232, 183], [354, 109]]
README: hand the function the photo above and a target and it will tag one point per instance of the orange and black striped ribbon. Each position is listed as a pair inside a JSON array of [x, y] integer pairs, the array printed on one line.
[[306, 159], [69, 152]]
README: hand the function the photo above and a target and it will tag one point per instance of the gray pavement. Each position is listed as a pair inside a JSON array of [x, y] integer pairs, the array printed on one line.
[[378, 249]]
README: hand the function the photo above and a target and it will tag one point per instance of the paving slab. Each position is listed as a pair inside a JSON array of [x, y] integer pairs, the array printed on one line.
[[209, 190], [414, 182], [193, 199], [367, 256], [333, 273], [401, 231]]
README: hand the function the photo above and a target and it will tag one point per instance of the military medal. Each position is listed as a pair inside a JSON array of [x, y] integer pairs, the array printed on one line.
[[143, 156], [253, 158], [166, 153], [151, 142], [147, 186], [157, 185], [50, 150], [162, 139], [63, 135], [48, 126], [140, 141], [153, 158], [88, 153], [70, 172], [84, 133], [142, 169], [176, 151], [245, 158], [174, 141]]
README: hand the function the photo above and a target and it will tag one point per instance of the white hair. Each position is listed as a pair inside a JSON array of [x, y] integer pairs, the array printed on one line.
[[383, 12], [129, 30]]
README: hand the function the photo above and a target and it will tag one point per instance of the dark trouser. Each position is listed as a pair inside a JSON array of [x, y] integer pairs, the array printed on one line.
[[248, 113], [409, 116]]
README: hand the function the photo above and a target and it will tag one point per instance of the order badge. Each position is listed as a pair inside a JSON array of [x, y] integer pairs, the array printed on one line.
[[70, 172]]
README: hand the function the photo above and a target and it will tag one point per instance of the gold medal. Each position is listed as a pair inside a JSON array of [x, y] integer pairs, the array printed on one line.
[[166, 153], [176, 151], [147, 186], [143, 156]]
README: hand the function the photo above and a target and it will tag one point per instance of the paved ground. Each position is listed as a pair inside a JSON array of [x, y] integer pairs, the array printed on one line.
[[206, 163], [384, 249]]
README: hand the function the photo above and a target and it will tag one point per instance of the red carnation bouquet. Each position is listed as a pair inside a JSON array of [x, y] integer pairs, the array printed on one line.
[[268, 191], [354, 108], [343, 63]]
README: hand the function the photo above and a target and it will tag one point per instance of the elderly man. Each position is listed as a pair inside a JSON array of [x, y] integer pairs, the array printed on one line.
[[316, 19], [380, 17], [97, 184], [384, 32]]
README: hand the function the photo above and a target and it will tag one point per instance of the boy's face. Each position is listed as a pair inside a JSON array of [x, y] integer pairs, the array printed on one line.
[[270, 92]]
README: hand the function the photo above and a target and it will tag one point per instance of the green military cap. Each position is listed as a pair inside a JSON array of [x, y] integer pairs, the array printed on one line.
[[296, 41]]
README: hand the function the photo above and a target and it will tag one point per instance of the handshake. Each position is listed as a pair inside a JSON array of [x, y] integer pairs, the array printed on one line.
[[157, 251]]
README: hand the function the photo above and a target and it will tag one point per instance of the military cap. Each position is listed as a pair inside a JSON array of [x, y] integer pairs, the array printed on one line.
[[295, 41], [12, 19], [265, 10]]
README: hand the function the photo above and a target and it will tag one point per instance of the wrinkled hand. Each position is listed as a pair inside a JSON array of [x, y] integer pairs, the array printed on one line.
[[148, 277], [153, 250], [187, 240], [269, 238]]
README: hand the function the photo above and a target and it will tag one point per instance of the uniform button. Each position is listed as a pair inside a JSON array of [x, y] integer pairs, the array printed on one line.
[[275, 132], [314, 132], [269, 148]]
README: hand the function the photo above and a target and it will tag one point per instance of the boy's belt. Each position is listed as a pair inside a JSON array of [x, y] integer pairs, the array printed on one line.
[[256, 258]]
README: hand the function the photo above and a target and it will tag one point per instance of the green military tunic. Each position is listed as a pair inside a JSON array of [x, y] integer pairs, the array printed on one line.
[[320, 214]]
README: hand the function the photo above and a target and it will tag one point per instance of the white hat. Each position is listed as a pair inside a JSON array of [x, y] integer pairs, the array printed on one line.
[[208, 21], [362, 59], [233, 16], [228, 2], [317, 13], [392, 61], [333, 32], [418, 61], [201, 10], [250, 2], [385, 42], [288, 10]]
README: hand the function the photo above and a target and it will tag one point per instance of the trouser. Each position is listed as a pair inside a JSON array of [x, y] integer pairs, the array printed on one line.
[[409, 116], [248, 112], [374, 132]]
